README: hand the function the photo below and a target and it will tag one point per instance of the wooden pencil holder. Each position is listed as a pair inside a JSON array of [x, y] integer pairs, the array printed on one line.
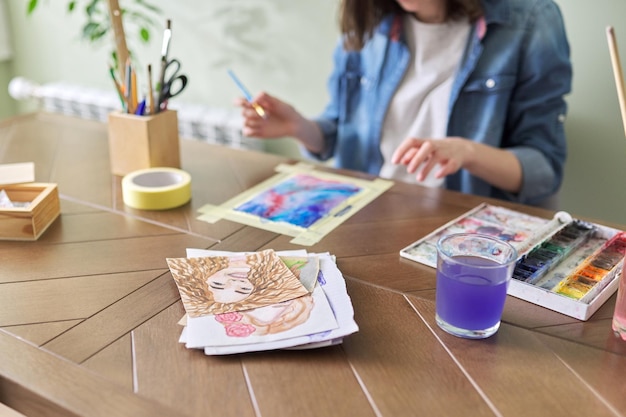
[[140, 142]]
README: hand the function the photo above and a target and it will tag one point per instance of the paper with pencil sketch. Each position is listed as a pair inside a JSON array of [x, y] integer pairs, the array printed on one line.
[[306, 268], [333, 284], [222, 284], [330, 287], [301, 316]]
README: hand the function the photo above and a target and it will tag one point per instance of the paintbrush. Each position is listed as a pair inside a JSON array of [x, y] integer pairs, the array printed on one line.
[[617, 72]]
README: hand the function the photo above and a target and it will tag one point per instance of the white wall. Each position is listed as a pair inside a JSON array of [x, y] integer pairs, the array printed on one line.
[[284, 47], [595, 174], [7, 106], [281, 46]]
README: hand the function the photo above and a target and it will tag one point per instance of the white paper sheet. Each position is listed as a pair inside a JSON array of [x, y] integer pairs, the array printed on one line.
[[209, 331]]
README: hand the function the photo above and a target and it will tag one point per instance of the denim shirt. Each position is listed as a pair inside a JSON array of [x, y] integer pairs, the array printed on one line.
[[508, 93]]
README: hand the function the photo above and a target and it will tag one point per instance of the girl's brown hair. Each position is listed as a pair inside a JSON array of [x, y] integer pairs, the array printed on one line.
[[359, 18], [268, 274]]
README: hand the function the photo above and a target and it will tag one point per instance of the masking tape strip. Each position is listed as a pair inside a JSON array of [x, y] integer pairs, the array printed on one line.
[[156, 188]]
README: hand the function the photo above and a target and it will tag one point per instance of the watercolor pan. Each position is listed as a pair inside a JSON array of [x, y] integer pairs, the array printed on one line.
[[548, 254], [594, 269]]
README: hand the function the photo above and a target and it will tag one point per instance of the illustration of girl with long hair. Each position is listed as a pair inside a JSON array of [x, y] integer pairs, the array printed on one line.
[[270, 319], [221, 284]]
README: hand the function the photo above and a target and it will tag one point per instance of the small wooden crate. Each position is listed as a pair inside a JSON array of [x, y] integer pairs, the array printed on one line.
[[140, 142], [28, 223]]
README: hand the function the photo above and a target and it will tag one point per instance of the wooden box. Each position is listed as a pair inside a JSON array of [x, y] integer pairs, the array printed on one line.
[[28, 223], [140, 142]]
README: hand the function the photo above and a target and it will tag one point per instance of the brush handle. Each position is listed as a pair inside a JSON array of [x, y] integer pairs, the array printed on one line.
[[617, 72], [120, 38]]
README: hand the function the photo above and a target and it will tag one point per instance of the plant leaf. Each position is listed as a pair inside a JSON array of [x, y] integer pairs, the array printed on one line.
[[91, 31], [98, 20], [92, 7], [32, 5], [144, 34], [149, 6]]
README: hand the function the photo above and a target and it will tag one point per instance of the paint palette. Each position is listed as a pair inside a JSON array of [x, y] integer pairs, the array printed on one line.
[[565, 264]]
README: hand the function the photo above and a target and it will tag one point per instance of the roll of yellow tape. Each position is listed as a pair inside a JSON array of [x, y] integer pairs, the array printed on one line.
[[156, 188]]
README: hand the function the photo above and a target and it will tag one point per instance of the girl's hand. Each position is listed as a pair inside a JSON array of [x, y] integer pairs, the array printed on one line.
[[280, 119], [422, 155]]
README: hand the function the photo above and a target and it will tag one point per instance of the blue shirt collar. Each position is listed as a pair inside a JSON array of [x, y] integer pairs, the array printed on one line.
[[496, 11]]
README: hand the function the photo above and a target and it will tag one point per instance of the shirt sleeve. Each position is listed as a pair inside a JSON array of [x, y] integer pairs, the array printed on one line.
[[329, 118], [535, 127]]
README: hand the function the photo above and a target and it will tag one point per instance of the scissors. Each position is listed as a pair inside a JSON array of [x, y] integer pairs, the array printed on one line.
[[173, 84]]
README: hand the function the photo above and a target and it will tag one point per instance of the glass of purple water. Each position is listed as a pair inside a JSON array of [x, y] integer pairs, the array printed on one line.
[[473, 273]]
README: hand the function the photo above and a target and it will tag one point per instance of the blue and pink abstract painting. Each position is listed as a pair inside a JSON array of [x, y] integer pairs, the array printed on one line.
[[300, 200]]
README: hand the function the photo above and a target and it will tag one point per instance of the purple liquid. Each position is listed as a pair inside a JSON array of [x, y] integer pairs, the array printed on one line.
[[471, 298]]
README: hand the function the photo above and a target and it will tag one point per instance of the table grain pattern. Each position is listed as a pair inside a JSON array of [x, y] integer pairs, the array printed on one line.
[[89, 312]]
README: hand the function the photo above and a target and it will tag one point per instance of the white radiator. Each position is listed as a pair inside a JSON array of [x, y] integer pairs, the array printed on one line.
[[210, 124]]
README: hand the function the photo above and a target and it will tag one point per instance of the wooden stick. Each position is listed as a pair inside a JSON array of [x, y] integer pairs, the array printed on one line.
[[133, 88], [120, 38], [617, 72]]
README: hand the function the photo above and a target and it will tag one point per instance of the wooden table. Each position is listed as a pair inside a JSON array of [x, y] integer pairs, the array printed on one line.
[[89, 312]]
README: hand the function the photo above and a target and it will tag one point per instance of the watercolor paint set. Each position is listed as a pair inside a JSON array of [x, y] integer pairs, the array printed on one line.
[[564, 264]]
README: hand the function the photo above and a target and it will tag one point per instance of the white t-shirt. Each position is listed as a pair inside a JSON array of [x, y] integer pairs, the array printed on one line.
[[419, 108]]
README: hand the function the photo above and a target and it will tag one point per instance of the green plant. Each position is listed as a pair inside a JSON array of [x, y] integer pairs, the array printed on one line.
[[138, 15]]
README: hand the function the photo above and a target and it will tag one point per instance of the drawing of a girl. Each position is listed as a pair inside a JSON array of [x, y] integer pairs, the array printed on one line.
[[220, 284], [231, 284], [270, 319]]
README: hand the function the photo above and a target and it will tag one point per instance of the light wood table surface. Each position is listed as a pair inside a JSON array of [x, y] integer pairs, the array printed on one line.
[[89, 311]]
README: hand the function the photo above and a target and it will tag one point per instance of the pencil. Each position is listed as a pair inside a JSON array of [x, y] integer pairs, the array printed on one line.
[[133, 87], [118, 87], [150, 92], [128, 88], [617, 72]]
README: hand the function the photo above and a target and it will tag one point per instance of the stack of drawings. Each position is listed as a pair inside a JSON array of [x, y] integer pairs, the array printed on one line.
[[245, 302]]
